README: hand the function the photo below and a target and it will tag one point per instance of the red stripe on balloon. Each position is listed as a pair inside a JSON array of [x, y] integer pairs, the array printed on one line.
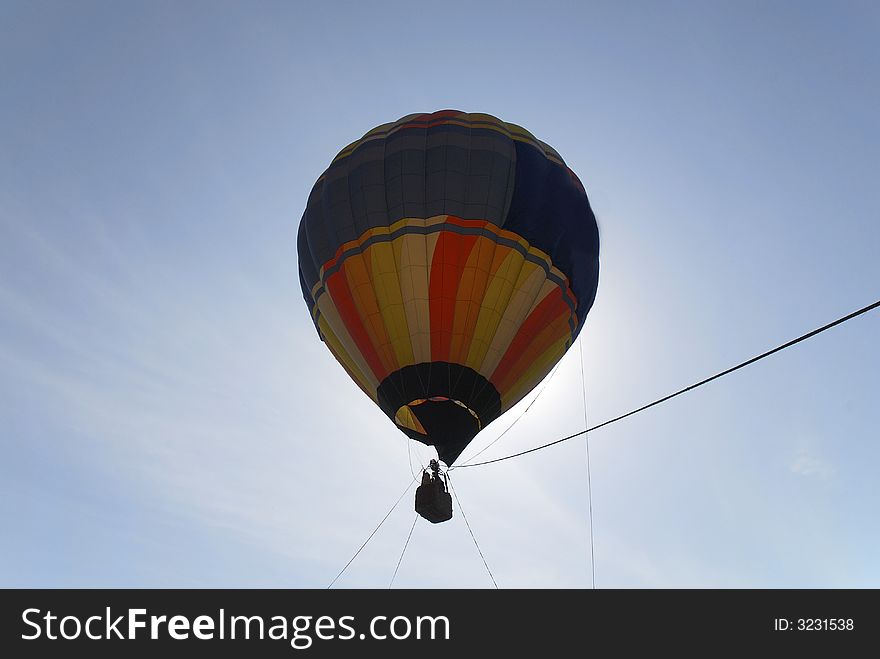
[[447, 265], [525, 346], [340, 293]]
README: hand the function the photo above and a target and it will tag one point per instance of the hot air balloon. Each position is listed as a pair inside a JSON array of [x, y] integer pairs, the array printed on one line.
[[448, 261]]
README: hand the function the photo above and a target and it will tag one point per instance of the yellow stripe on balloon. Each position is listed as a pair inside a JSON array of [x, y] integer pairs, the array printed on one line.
[[387, 288]]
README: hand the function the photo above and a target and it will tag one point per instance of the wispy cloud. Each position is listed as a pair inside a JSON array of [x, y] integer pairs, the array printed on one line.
[[808, 463]]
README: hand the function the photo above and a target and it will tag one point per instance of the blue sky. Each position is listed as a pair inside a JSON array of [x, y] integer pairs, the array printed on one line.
[[168, 416]]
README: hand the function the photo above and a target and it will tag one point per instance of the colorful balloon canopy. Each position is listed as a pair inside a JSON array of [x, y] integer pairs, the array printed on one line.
[[448, 261]]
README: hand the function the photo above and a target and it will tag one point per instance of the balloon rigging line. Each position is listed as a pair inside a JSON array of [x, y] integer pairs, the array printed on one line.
[[589, 477], [370, 537], [409, 457], [473, 537], [748, 362], [406, 544]]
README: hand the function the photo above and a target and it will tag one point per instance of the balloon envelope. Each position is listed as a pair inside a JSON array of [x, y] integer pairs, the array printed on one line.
[[448, 261]]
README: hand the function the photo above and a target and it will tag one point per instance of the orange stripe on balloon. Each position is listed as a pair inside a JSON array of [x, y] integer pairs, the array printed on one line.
[[547, 314], [556, 329], [450, 256], [471, 292], [340, 293]]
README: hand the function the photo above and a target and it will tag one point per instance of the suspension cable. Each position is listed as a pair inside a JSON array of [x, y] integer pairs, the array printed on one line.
[[473, 537], [748, 362], [405, 545], [589, 476], [370, 537]]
